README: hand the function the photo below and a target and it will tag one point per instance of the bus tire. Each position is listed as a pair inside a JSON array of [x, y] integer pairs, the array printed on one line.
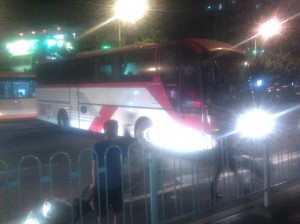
[[141, 130], [63, 120]]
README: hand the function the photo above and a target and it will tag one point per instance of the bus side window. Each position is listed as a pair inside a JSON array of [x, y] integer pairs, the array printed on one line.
[[190, 88], [168, 72], [23, 88], [5, 89], [130, 71], [2, 86], [103, 70], [139, 66], [216, 87], [190, 98], [116, 67], [64, 72], [84, 71], [46, 73]]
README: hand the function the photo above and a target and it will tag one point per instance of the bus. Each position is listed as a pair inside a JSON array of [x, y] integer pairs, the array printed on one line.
[[174, 94], [17, 95]]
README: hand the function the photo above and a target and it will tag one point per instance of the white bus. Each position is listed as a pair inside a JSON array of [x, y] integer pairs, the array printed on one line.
[[17, 95], [160, 92]]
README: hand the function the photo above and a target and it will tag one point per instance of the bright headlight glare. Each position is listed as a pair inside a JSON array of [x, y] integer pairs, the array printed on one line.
[[46, 208], [32, 220], [180, 138], [255, 124]]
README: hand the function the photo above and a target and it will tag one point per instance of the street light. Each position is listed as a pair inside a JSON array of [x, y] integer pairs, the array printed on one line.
[[267, 30], [129, 11]]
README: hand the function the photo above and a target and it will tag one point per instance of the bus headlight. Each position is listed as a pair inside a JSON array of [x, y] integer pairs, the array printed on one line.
[[255, 124], [32, 219], [46, 209], [179, 138]]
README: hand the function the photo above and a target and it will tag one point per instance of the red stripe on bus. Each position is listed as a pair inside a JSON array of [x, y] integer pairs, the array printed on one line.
[[158, 92], [193, 121], [105, 113], [160, 95]]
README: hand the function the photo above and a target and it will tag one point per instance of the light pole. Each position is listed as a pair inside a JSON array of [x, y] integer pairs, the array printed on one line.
[[129, 11]]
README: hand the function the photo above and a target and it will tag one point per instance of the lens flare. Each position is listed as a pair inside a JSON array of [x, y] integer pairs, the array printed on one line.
[[179, 138], [255, 124], [130, 11], [46, 208]]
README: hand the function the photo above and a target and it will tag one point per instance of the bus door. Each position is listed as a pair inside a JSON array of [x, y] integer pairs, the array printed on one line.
[[227, 91], [190, 88], [190, 94]]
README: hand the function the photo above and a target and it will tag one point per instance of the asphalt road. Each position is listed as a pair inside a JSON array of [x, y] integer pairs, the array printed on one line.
[[34, 137], [30, 139]]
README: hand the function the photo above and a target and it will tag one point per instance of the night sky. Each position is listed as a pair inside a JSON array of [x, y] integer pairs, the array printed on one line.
[[171, 19], [165, 15]]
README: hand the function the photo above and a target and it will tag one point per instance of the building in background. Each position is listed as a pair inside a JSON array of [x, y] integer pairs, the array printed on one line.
[[28, 47]]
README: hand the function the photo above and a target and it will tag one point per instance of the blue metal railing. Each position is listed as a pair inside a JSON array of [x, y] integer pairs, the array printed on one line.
[[162, 186]]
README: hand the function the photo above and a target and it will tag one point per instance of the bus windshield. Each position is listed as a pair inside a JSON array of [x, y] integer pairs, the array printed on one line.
[[226, 79]]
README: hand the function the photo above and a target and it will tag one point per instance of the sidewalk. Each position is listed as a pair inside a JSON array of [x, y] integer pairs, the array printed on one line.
[[284, 208]]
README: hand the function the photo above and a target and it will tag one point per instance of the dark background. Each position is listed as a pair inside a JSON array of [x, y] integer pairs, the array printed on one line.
[[227, 20]]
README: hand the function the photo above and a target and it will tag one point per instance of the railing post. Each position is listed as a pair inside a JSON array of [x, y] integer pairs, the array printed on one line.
[[266, 147], [153, 188]]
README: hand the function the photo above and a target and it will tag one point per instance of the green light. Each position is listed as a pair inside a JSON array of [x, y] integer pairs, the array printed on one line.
[[69, 46], [22, 47], [51, 43], [105, 47], [60, 43]]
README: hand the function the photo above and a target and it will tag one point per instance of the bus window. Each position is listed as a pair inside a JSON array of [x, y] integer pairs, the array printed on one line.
[[45, 73], [139, 66], [168, 64], [5, 89], [168, 72], [225, 79], [17, 88], [84, 71], [64, 72], [23, 88], [189, 71], [103, 70], [190, 88]]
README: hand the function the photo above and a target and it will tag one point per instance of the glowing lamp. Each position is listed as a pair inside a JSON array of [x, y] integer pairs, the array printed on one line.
[[179, 138], [130, 10], [270, 28], [255, 124]]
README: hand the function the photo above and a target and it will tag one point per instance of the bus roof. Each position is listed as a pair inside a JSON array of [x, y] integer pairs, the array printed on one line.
[[200, 45], [205, 45], [17, 74]]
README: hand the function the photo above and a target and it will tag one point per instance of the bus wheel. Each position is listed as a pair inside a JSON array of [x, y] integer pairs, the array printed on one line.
[[63, 120], [142, 132]]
